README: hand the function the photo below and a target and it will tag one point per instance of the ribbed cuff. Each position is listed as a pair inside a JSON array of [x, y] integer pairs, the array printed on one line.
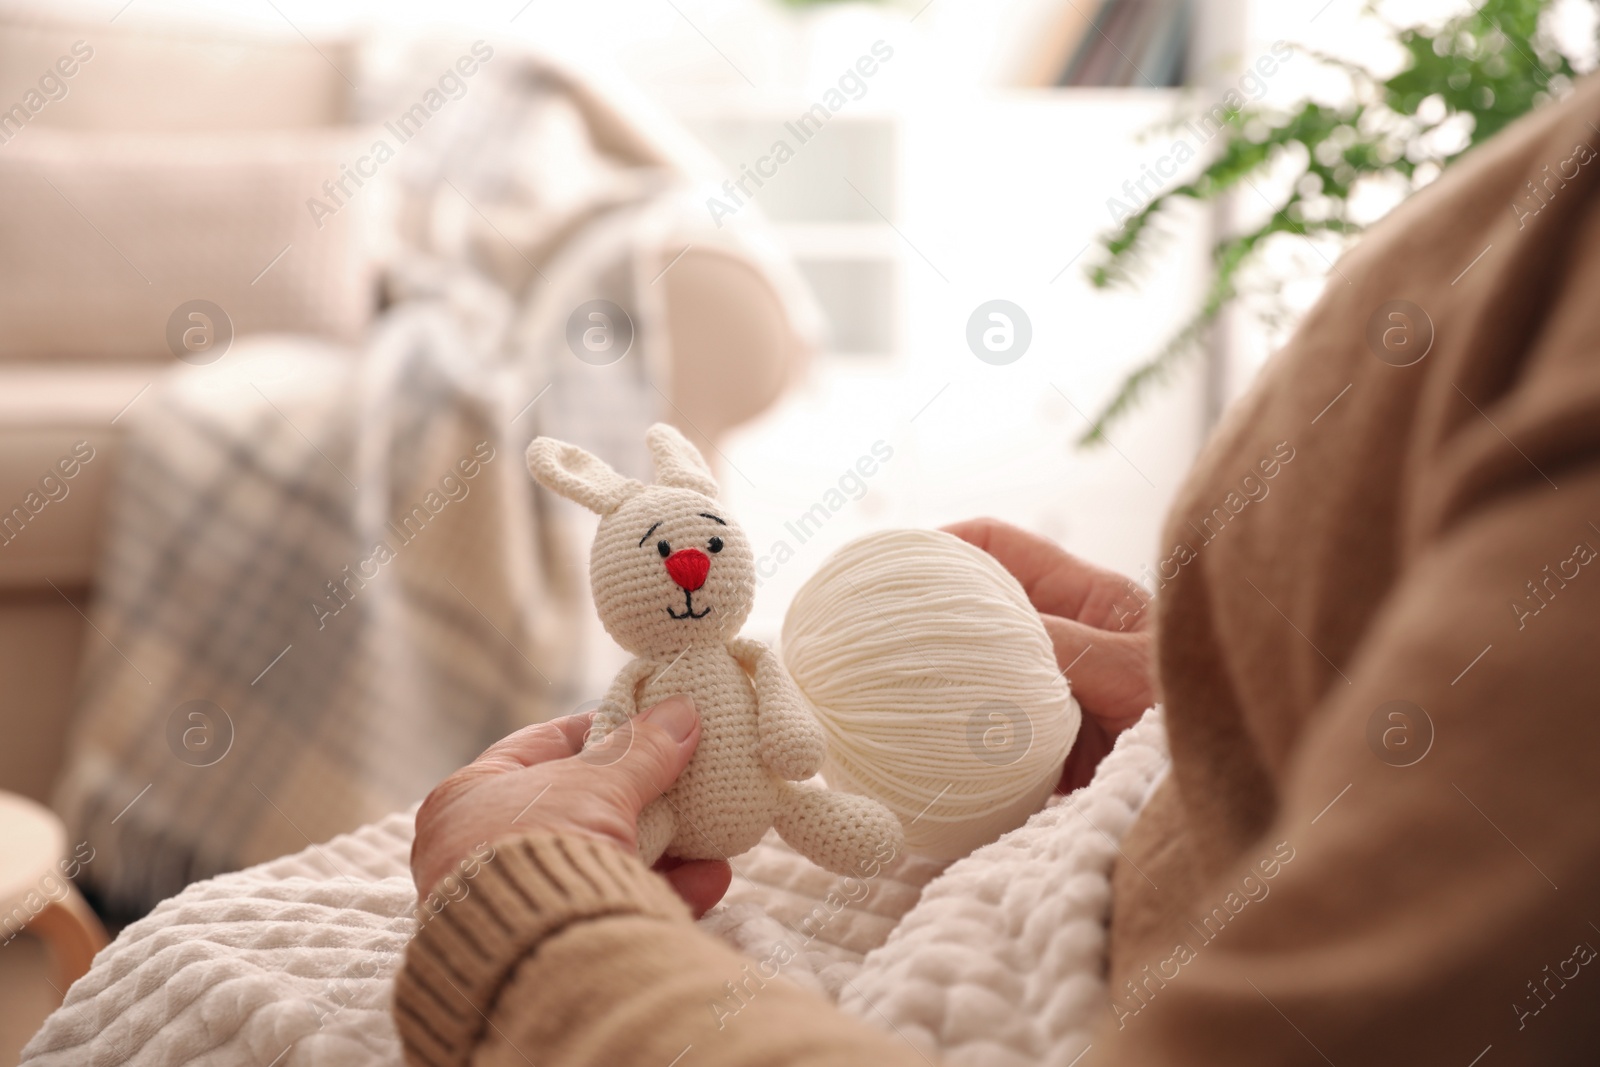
[[534, 887]]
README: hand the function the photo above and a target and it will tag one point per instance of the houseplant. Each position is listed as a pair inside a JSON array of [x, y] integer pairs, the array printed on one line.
[[1462, 82]]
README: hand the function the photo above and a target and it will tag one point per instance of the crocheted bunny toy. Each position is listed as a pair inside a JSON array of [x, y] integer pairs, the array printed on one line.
[[674, 580]]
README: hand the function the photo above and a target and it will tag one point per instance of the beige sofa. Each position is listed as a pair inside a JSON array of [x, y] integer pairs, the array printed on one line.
[[71, 359]]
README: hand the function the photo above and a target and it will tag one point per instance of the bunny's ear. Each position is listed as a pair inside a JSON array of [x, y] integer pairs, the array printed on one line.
[[678, 463], [569, 471]]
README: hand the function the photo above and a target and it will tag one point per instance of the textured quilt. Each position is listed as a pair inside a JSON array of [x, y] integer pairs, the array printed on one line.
[[997, 959]]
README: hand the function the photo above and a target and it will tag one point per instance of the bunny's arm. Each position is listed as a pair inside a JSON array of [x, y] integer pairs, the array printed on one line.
[[621, 701], [791, 739]]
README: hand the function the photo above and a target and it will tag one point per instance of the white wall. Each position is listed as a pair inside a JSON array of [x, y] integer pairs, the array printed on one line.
[[1000, 193]]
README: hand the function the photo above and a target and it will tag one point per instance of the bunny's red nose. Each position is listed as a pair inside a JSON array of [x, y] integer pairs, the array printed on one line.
[[688, 567]]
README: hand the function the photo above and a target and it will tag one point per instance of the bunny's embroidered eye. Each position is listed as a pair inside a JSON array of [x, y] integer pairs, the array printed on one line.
[[715, 545], [663, 548]]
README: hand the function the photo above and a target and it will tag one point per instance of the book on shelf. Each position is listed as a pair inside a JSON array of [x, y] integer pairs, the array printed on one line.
[[1132, 43]]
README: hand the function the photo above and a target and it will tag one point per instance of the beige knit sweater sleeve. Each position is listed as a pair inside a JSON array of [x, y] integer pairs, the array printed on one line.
[[1388, 671], [567, 953]]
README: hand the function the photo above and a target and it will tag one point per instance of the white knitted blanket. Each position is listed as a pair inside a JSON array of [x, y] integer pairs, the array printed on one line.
[[998, 960]]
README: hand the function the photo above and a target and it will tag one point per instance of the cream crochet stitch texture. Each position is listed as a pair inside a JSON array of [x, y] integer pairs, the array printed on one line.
[[674, 580]]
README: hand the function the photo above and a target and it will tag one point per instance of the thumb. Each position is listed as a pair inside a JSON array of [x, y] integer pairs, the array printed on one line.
[[645, 755]]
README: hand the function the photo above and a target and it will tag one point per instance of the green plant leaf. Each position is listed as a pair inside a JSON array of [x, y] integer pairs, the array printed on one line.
[[1482, 69]]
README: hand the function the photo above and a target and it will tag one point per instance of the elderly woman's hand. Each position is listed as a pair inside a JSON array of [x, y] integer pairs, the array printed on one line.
[[1101, 625], [536, 779]]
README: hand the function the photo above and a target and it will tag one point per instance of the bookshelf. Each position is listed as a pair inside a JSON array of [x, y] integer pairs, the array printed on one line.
[[991, 197], [832, 205], [836, 203], [976, 194]]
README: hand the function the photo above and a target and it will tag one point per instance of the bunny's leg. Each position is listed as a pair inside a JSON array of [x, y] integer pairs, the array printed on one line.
[[840, 832], [656, 827]]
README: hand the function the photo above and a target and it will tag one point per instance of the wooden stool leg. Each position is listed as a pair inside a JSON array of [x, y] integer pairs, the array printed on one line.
[[73, 934]]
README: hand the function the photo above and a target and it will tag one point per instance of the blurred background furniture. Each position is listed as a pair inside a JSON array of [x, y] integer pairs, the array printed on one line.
[[171, 141], [37, 894], [62, 381], [36, 890]]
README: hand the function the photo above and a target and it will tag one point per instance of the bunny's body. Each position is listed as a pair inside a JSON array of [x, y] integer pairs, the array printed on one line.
[[674, 580], [722, 786]]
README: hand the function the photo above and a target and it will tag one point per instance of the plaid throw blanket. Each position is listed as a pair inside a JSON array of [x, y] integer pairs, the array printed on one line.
[[328, 581]]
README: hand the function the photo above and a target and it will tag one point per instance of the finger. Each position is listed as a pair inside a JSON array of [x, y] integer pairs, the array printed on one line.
[[701, 883], [1111, 673], [656, 745], [1093, 743], [1055, 580], [539, 743]]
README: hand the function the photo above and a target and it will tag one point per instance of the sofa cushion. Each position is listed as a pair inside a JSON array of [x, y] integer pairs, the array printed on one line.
[[158, 74], [58, 448], [106, 238]]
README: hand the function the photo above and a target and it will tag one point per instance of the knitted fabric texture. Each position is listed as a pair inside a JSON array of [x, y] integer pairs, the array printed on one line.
[[540, 884], [291, 964], [674, 580]]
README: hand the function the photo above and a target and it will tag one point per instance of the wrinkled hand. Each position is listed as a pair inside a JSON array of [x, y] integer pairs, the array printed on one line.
[[536, 779], [1101, 625]]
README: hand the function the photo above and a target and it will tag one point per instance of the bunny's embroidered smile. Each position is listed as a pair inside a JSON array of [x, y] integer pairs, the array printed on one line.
[[758, 737], [687, 567]]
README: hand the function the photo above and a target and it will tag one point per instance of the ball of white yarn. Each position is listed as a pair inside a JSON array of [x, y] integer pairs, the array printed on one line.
[[936, 684]]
